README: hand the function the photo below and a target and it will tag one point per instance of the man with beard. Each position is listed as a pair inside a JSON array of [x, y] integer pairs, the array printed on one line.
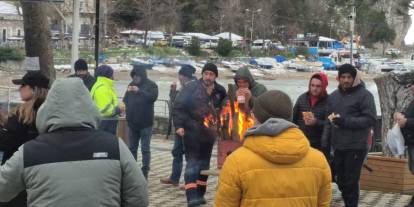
[[352, 114], [81, 71], [198, 101]]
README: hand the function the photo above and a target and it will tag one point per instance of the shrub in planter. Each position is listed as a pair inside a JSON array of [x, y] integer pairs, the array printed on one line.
[[194, 47], [7, 53], [224, 47]]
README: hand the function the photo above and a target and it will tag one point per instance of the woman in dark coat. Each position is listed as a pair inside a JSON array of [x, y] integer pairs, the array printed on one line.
[[20, 126]]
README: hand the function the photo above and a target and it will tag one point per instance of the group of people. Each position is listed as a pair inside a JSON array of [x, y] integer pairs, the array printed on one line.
[[319, 138], [60, 144], [137, 104]]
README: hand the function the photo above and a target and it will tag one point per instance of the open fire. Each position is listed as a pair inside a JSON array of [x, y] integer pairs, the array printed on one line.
[[233, 122]]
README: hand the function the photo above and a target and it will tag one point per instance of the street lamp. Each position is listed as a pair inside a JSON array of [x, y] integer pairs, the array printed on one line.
[[251, 28]]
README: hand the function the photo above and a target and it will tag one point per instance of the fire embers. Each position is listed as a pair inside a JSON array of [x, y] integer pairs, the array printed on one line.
[[233, 122]]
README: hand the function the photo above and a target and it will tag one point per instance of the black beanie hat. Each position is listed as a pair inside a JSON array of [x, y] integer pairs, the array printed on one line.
[[347, 68], [33, 79], [273, 104], [187, 71], [210, 67], [105, 71], [81, 64]]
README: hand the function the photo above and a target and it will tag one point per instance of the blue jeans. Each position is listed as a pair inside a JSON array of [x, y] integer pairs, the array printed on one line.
[[177, 153], [145, 136], [109, 126]]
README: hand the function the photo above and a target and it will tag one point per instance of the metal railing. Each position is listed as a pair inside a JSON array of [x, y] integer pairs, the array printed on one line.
[[9, 96], [161, 108]]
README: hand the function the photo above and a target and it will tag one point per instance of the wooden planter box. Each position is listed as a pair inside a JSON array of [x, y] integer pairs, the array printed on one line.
[[388, 175], [122, 130]]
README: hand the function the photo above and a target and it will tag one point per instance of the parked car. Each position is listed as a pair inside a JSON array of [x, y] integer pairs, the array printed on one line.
[[391, 51], [161, 43], [277, 46], [261, 44], [178, 41]]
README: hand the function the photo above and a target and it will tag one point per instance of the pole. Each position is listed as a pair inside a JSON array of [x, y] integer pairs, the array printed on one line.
[[75, 33], [251, 30], [244, 36], [353, 16], [96, 33]]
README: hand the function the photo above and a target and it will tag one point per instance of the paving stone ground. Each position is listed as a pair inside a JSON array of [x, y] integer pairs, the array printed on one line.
[[165, 196]]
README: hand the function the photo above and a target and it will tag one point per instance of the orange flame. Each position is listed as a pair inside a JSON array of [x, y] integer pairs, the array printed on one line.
[[241, 118]]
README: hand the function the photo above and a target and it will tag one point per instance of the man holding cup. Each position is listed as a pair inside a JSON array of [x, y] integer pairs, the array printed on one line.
[[247, 89]]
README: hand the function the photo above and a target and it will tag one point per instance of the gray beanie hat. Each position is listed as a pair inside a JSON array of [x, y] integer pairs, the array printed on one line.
[[273, 104]]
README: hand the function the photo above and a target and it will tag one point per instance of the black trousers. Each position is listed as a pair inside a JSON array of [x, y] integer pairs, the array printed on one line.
[[198, 144], [347, 168]]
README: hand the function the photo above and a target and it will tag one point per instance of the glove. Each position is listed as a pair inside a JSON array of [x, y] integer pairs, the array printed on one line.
[[338, 121]]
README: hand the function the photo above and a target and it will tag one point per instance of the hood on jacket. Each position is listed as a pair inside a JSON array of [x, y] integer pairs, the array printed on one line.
[[277, 141], [139, 71], [244, 74], [324, 78], [68, 105], [357, 80]]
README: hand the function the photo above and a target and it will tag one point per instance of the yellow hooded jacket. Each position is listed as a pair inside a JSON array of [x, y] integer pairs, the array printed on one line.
[[275, 167]]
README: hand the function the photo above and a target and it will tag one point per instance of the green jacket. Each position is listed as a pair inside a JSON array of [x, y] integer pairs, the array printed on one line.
[[255, 88], [104, 95]]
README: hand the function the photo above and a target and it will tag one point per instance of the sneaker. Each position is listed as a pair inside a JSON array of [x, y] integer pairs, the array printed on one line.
[[168, 181]]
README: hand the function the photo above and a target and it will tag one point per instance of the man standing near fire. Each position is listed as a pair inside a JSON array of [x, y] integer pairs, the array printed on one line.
[[309, 112], [185, 76], [198, 101], [352, 113], [247, 89]]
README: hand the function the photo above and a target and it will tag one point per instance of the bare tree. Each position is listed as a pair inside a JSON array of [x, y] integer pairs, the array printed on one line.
[[169, 15], [37, 36], [230, 14], [147, 15]]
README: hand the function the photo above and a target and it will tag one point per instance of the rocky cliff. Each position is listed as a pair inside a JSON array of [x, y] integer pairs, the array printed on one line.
[[398, 18]]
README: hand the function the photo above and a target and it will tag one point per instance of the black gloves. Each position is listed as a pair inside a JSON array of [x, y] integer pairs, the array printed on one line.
[[338, 121]]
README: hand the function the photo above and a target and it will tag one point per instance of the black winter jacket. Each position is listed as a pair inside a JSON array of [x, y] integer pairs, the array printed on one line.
[[12, 136], [88, 80], [192, 104], [313, 133], [357, 108], [140, 105], [408, 130]]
